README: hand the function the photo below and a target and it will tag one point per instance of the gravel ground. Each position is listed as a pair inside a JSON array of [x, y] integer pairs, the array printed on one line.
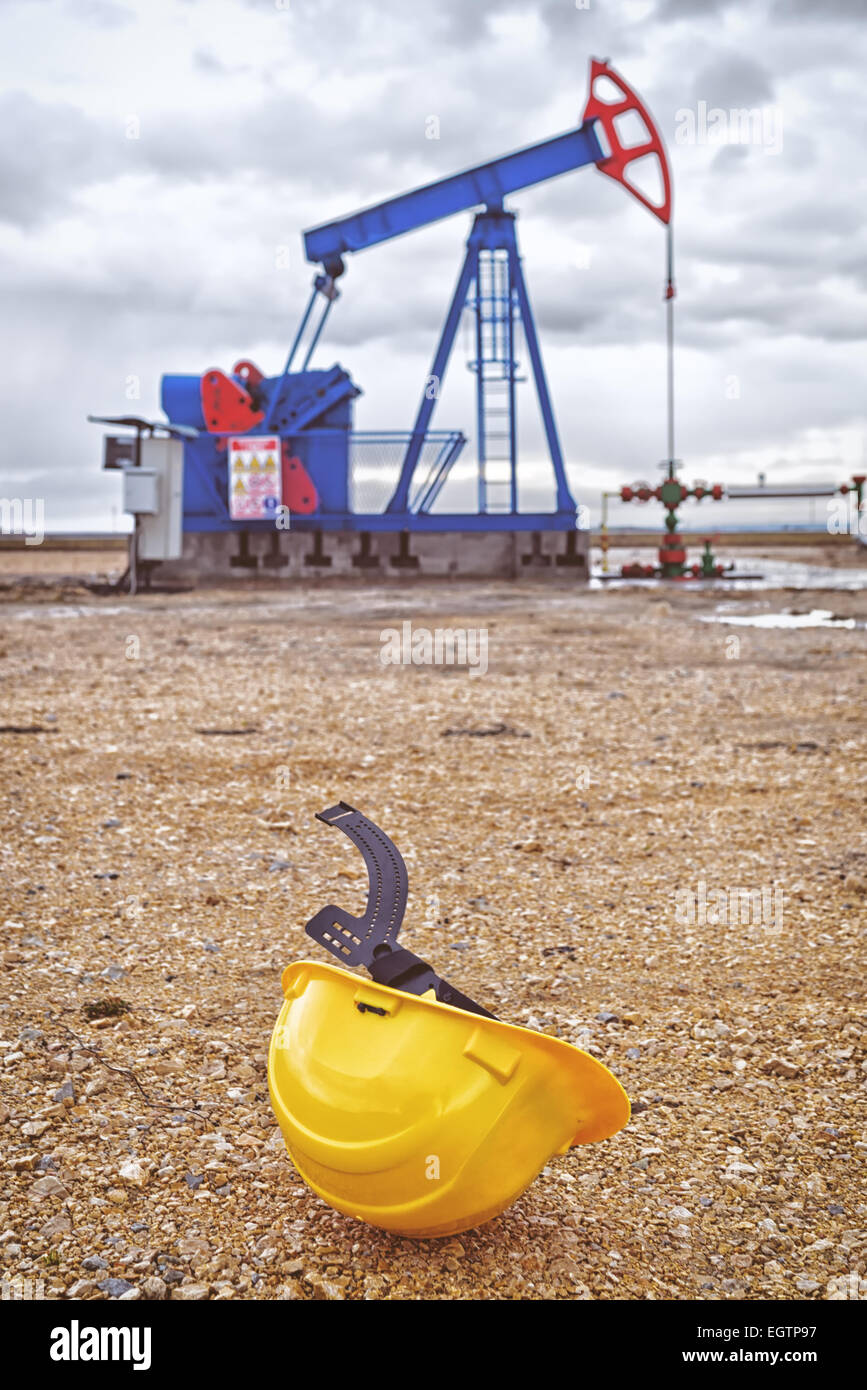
[[167, 758]]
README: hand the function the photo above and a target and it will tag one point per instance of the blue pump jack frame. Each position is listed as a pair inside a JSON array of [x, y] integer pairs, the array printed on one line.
[[493, 230]]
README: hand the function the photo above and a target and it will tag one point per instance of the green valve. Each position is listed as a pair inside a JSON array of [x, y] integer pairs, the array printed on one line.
[[708, 561]]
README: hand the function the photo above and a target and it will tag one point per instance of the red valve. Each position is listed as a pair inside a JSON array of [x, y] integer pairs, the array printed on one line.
[[615, 164]]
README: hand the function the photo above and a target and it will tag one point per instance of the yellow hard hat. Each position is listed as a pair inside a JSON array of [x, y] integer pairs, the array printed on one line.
[[417, 1115]]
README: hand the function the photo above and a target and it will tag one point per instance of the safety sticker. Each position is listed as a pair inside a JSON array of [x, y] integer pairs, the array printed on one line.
[[255, 482]]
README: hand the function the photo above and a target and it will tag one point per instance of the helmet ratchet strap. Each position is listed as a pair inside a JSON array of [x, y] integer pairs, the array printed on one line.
[[371, 940]]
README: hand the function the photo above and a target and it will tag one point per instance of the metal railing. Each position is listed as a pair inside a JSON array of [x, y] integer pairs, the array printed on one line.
[[375, 459]]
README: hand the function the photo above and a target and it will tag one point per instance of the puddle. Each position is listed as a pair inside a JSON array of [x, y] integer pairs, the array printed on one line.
[[67, 611], [774, 574], [817, 617]]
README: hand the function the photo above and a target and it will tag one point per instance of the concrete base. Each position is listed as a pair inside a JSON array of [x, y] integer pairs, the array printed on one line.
[[215, 557]]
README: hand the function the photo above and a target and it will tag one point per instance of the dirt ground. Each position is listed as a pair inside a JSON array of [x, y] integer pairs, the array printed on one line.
[[162, 762], [23, 568]]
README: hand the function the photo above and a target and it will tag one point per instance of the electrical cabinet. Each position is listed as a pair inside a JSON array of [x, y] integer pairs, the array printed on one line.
[[155, 494]]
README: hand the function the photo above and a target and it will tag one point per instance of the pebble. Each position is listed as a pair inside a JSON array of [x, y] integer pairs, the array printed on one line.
[[49, 1186], [94, 1262], [55, 1226], [133, 1173], [325, 1288], [191, 1293], [19, 1163], [82, 1288], [781, 1066], [114, 1287]]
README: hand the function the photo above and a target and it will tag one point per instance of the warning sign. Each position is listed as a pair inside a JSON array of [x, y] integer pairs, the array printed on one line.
[[254, 477]]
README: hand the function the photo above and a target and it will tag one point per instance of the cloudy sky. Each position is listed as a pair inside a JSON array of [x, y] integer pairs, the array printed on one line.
[[159, 160]]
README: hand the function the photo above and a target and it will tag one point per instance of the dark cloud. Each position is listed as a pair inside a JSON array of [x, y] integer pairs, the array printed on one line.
[[732, 80], [692, 9], [789, 10], [48, 151], [204, 61], [104, 13]]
